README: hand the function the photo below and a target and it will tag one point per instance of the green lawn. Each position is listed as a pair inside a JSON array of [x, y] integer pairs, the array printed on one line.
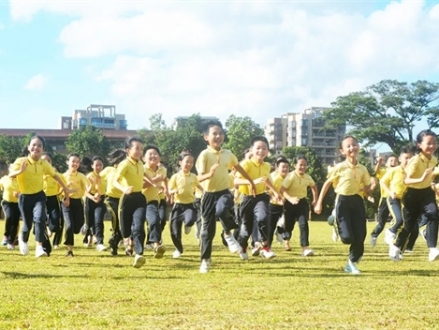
[[94, 290]]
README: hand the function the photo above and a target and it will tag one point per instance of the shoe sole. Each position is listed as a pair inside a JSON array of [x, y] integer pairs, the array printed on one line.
[[139, 262], [160, 252]]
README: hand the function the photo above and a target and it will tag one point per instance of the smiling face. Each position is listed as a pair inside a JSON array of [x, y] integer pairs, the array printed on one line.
[[215, 137], [97, 165], [151, 158], [73, 163], [35, 148], [428, 145], [259, 151], [301, 166], [283, 169], [187, 163], [135, 150], [350, 148]]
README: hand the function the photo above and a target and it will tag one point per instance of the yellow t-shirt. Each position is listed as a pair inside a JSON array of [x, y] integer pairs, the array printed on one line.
[[9, 186], [394, 179], [416, 168], [255, 170], [152, 193], [379, 175], [108, 175], [97, 183], [130, 174], [31, 180], [50, 186], [349, 179], [162, 194], [185, 185], [78, 182], [276, 180], [296, 185], [220, 179]]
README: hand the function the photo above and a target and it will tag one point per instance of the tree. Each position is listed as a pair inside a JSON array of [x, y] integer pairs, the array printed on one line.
[[240, 131], [387, 112], [88, 141], [11, 147]]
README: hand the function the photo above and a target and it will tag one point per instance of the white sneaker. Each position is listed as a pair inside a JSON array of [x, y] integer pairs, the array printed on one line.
[[176, 254], [395, 253], [257, 249], [243, 255], [267, 253], [433, 254], [139, 261], [389, 237], [373, 241], [23, 246], [10, 246], [101, 247], [233, 245], [56, 247], [148, 247], [307, 253], [39, 252], [351, 267], [335, 236], [279, 238], [187, 229], [205, 265]]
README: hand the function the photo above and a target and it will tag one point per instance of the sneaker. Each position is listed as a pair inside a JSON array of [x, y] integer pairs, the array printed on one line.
[[233, 245], [149, 246], [176, 254], [205, 265], [139, 261], [56, 247], [113, 249], [159, 251], [279, 238], [187, 229], [307, 253], [287, 247], [223, 239], [4, 241], [257, 249], [243, 254], [10, 246], [423, 233], [373, 241], [267, 253], [335, 236], [408, 251], [88, 243], [433, 254], [39, 252], [395, 253], [101, 247], [23, 246], [389, 237], [351, 268], [129, 251], [69, 254]]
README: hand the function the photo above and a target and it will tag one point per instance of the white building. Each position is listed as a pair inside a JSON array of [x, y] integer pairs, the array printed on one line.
[[305, 129], [97, 115]]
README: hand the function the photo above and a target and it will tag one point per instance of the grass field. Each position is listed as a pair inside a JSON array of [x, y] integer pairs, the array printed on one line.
[[94, 290]]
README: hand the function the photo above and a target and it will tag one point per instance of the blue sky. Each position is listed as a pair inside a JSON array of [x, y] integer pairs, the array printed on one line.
[[258, 59]]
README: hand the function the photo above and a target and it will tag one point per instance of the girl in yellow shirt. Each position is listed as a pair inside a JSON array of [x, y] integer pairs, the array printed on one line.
[[11, 191]]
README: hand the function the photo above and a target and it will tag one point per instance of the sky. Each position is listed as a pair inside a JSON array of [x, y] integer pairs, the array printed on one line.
[[216, 58]]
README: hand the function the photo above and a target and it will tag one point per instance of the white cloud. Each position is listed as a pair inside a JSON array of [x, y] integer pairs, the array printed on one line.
[[36, 83]]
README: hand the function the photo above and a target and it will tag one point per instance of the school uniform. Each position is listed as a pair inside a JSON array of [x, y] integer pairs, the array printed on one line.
[[349, 205], [183, 211], [296, 186], [112, 198], [419, 199], [10, 188], [217, 201], [95, 212], [383, 208], [74, 213], [55, 222], [394, 179], [32, 200], [133, 206], [254, 209]]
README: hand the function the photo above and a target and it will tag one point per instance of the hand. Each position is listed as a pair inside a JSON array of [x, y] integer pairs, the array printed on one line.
[[23, 166], [253, 189], [318, 208], [260, 180], [371, 199], [16, 194], [426, 173], [213, 169], [294, 200], [66, 202], [279, 198], [313, 204], [128, 190], [157, 178], [392, 195], [69, 191]]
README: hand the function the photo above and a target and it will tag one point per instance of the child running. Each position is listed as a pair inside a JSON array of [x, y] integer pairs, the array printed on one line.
[[30, 171], [182, 186], [213, 166], [294, 189], [419, 197], [350, 219]]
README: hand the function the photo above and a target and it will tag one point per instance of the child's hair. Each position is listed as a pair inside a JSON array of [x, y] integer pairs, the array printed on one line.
[[281, 159], [129, 141], [347, 137], [48, 155], [299, 157], [84, 165], [116, 156], [95, 158], [184, 154], [210, 123], [259, 138], [73, 154], [25, 151], [149, 147], [420, 137]]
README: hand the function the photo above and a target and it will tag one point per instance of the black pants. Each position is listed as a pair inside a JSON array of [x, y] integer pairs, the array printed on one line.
[[154, 223], [395, 208], [383, 215], [300, 213], [254, 213], [112, 204], [414, 203], [215, 205], [94, 217], [162, 213], [58, 235], [197, 205], [12, 219], [275, 212], [351, 224], [74, 219], [33, 210], [132, 219], [53, 212], [181, 214]]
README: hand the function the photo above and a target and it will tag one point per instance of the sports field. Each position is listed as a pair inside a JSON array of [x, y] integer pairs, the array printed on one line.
[[94, 290]]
